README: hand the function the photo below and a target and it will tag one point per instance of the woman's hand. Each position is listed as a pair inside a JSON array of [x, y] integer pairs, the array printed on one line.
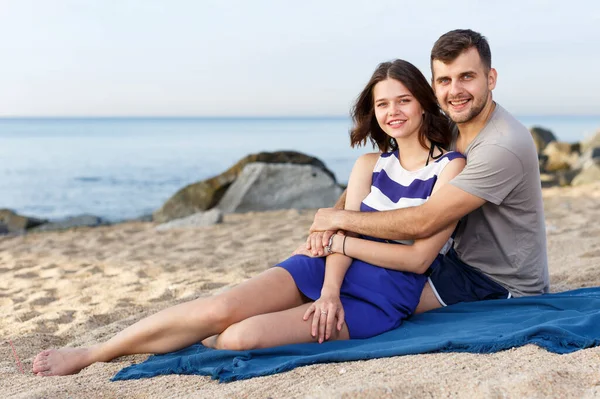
[[314, 243], [325, 311], [301, 250]]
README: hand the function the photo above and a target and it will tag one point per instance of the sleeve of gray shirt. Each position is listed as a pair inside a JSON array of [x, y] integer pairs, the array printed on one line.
[[491, 173]]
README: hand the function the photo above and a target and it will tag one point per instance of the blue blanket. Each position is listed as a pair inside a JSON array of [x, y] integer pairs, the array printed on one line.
[[561, 323]]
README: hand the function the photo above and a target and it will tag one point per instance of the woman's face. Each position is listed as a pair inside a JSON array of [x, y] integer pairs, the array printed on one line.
[[398, 113]]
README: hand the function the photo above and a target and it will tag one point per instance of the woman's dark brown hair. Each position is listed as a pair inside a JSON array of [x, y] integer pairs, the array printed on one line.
[[436, 126]]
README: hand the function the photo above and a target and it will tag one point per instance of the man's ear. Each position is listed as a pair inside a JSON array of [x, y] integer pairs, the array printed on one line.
[[492, 77]]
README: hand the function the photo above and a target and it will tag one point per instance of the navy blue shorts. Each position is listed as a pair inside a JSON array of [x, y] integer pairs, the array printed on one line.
[[454, 281]]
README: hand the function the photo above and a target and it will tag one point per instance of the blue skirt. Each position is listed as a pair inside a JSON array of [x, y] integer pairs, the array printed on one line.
[[375, 299]]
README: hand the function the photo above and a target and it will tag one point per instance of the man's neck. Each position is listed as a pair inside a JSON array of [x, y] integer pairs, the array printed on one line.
[[469, 130]]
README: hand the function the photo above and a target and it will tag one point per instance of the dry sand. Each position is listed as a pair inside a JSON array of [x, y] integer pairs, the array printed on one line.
[[81, 286]]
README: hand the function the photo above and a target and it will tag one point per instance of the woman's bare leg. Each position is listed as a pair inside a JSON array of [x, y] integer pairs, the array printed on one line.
[[272, 329], [181, 325]]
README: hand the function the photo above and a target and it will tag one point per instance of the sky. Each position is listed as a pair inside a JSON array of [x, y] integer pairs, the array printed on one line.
[[278, 58]]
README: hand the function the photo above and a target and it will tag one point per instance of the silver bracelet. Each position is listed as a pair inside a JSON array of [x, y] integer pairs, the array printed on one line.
[[328, 246]]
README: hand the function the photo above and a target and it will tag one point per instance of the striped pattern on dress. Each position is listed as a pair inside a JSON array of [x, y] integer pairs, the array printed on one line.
[[393, 187]]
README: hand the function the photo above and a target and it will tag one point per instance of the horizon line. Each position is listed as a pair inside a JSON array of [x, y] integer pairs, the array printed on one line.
[[47, 117], [5, 117]]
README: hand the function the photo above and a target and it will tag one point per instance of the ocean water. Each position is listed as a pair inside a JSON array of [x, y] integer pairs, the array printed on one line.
[[123, 168]]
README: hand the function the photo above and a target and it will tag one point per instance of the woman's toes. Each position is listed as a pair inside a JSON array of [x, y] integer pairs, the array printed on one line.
[[37, 368], [41, 356]]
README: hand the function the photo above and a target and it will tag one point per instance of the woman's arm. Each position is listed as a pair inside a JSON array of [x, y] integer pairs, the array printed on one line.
[[414, 258], [328, 307], [359, 186]]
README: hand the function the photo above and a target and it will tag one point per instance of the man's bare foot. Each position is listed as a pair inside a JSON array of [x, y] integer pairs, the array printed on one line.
[[63, 361]]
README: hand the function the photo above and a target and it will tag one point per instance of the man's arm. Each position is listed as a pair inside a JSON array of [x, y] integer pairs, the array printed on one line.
[[445, 207], [341, 202]]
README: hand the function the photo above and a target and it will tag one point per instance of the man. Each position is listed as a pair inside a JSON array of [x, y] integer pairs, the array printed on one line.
[[500, 246]]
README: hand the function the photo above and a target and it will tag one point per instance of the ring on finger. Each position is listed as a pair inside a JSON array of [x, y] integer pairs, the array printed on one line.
[[323, 312]]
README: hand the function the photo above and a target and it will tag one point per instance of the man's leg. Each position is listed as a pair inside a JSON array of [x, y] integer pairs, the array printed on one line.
[[428, 300]]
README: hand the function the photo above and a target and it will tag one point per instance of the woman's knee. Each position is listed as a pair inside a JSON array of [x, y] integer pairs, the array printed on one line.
[[238, 337], [217, 311]]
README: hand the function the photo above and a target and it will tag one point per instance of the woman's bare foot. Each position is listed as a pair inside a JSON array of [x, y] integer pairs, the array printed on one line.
[[63, 361], [210, 342]]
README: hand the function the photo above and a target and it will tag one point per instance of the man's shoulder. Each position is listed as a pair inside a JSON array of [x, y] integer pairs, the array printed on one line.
[[504, 131], [504, 127]]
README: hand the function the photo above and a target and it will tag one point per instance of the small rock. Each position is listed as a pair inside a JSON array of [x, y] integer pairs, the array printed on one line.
[[71, 222], [199, 219], [16, 223], [143, 218]]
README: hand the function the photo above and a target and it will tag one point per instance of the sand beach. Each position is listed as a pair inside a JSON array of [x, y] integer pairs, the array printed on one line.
[[82, 285]]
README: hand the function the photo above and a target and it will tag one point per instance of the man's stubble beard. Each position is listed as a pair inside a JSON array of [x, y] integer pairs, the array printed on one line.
[[473, 112]]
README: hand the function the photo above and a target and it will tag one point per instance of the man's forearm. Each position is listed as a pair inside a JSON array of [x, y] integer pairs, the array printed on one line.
[[399, 224]]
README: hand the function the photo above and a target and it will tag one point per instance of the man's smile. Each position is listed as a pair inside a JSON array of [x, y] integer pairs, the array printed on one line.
[[459, 104]]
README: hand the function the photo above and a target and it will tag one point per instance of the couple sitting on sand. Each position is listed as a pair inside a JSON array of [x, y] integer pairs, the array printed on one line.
[[391, 247]]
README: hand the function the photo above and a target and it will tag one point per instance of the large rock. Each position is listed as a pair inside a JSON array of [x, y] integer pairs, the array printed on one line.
[[200, 219], [17, 224], [591, 142], [588, 158], [588, 175], [559, 156], [263, 187], [206, 194], [71, 222], [541, 137]]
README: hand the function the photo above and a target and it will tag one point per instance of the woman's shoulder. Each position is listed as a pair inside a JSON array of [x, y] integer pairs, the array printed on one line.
[[374, 161], [371, 157], [367, 162], [450, 163]]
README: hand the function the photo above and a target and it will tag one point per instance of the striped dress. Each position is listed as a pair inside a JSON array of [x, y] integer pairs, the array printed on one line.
[[376, 299]]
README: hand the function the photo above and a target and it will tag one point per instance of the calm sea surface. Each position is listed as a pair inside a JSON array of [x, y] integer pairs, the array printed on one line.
[[121, 168]]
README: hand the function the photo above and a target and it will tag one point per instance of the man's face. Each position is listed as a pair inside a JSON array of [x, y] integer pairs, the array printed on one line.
[[463, 87]]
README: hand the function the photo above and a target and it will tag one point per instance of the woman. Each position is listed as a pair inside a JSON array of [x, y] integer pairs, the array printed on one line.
[[364, 286]]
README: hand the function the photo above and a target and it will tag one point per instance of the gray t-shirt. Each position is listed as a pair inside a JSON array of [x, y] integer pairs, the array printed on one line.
[[506, 237]]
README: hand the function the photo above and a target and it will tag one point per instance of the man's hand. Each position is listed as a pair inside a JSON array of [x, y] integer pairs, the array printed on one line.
[[325, 219]]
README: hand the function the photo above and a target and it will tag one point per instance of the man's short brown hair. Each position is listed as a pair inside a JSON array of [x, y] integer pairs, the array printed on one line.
[[452, 44]]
